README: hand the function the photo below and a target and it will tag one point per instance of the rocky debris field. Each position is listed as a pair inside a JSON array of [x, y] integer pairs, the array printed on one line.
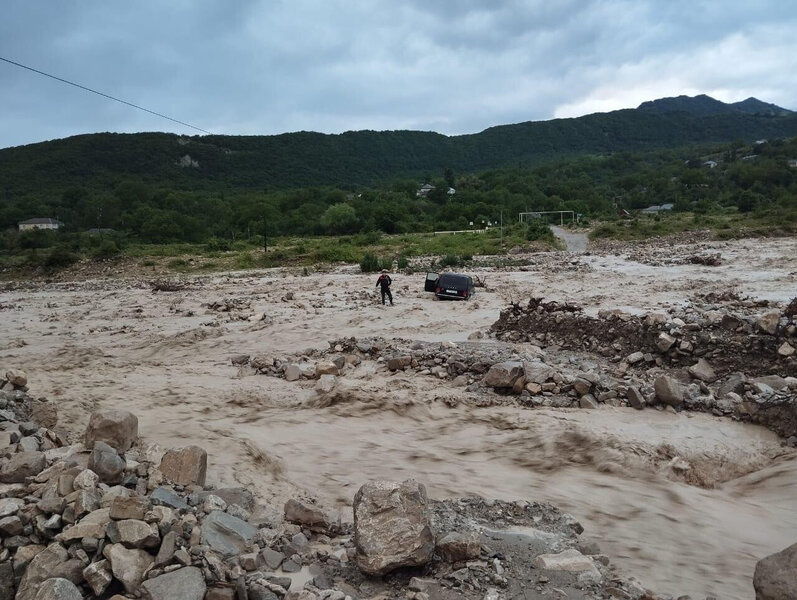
[[626, 387], [108, 517]]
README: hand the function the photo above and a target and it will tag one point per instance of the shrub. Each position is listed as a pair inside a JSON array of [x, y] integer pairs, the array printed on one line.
[[58, 258], [369, 263], [467, 257], [217, 245], [245, 260], [538, 229], [403, 263], [386, 263], [107, 249], [177, 263], [450, 260]]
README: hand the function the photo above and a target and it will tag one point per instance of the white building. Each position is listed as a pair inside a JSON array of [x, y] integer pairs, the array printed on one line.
[[46, 223]]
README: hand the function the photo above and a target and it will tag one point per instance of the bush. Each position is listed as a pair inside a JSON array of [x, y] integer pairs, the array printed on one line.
[[467, 257], [177, 263], [217, 245], [537, 229], [403, 263], [607, 230], [107, 249], [58, 258], [386, 263], [450, 260], [245, 260], [369, 263]]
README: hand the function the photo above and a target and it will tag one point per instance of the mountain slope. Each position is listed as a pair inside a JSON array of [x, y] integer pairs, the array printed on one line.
[[703, 105], [364, 158]]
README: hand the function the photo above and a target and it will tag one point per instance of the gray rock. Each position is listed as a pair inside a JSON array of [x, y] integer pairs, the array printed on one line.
[[133, 533], [538, 372], [10, 526], [128, 565], [129, 507], [57, 588], [226, 534], [733, 383], [187, 583], [391, 526], [10, 506], [185, 466], [703, 371], [588, 401], [6, 581], [457, 547], [768, 323], [776, 382], [21, 466], [635, 398], [260, 592], [17, 377], [504, 375], [117, 428], [106, 463], [98, 576], [167, 549], [775, 576], [665, 341], [669, 391], [303, 512], [45, 564], [167, 497], [272, 558], [293, 373]]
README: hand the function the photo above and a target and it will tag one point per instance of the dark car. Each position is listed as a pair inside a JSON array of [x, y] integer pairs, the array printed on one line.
[[453, 286]]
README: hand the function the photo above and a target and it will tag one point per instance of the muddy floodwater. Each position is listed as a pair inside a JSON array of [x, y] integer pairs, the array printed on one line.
[[166, 357]]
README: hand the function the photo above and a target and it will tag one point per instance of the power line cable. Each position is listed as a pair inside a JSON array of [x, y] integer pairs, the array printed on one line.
[[83, 87]]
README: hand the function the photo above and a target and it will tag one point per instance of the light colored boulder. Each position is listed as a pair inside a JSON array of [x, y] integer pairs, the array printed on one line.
[[326, 368], [391, 526], [570, 560], [786, 349], [226, 534], [775, 576], [21, 466], [185, 466], [504, 375], [768, 323], [669, 391], [187, 583], [58, 588], [133, 533], [665, 341], [17, 377], [703, 371], [128, 565], [117, 428], [458, 547], [303, 512], [105, 461], [98, 576]]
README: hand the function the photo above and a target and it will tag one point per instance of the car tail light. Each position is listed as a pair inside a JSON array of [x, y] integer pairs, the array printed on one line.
[[464, 293], [437, 290]]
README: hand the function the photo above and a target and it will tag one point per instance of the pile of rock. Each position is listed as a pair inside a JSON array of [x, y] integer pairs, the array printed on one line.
[[732, 340]]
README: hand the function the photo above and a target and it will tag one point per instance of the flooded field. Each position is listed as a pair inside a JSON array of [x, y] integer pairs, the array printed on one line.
[[166, 357]]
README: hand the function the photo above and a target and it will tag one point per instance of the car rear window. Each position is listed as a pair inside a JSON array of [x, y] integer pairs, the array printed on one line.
[[453, 281]]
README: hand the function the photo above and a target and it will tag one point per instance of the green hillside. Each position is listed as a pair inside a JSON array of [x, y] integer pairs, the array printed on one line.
[[159, 188]]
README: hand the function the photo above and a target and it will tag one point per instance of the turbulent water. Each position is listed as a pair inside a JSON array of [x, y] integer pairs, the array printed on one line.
[[622, 473]]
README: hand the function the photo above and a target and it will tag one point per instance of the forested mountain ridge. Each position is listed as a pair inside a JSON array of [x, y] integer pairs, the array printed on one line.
[[366, 158]]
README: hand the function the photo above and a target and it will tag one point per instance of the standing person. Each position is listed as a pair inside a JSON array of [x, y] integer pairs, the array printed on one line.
[[385, 281]]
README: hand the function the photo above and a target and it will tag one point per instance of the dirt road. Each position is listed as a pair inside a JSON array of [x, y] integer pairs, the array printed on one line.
[[166, 357], [574, 241]]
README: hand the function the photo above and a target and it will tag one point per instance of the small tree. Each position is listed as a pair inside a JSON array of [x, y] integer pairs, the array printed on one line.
[[339, 219]]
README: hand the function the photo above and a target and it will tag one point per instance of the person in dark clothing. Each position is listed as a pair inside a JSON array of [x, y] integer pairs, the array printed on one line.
[[385, 281]]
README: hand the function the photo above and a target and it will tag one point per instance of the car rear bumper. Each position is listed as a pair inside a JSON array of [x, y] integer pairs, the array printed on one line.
[[449, 296]]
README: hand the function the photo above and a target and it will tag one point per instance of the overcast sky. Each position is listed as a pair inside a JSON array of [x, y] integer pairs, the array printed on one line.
[[254, 67]]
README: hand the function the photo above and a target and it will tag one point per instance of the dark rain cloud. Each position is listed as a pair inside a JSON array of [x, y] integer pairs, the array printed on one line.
[[454, 66]]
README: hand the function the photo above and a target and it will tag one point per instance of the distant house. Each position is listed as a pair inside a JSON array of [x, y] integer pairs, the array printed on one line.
[[424, 190], [792, 162], [652, 210], [45, 223], [750, 157], [451, 191], [710, 164]]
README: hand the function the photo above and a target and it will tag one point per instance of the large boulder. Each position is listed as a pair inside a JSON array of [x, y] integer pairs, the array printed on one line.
[[226, 534], [187, 583], [504, 375], [17, 377], [185, 466], [117, 428], [775, 576], [44, 565], [133, 533], [570, 560], [21, 466], [703, 371], [303, 512], [128, 565], [669, 391], [391, 526], [458, 547], [106, 463], [768, 323], [58, 588]]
